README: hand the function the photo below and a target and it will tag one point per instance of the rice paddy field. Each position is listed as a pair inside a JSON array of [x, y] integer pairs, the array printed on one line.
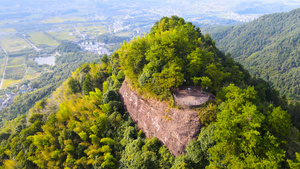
[[39, 38], [12, 43]]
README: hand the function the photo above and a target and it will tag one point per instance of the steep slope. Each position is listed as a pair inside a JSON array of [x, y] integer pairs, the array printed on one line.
[[83, 125], [268, 47], [175, 128]]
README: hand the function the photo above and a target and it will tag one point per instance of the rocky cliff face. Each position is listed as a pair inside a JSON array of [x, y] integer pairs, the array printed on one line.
[[173, 127]]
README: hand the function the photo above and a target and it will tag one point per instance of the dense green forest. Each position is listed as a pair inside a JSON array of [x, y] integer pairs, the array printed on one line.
[[67, 46], [107, 39], [268, 47], [175, 54], [83, 124]]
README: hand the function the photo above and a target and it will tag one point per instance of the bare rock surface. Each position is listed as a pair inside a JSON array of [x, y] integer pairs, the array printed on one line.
[[189, 97], [173, 127]]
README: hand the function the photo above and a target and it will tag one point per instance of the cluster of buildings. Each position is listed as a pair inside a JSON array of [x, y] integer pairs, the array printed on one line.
[[118, 26], [94, 47], [241, 18], [10, 96]]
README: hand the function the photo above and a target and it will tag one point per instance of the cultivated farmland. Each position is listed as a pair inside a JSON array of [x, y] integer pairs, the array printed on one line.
[[39, 38]]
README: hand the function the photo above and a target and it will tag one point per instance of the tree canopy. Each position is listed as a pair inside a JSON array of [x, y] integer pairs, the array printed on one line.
[[173, 54], [246, 135]]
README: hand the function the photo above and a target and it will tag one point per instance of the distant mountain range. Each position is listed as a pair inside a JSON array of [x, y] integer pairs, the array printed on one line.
[[204, 12], [268, 47]]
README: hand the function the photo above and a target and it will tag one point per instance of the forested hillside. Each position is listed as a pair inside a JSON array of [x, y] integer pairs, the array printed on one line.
[[268, 47], [47, 82], [83, 124]]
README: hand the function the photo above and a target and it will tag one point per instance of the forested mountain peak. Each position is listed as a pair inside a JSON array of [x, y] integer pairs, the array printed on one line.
[[84, 124], [174, 54]]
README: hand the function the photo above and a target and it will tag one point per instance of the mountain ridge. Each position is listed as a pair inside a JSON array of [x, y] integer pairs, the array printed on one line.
[[268, 47]]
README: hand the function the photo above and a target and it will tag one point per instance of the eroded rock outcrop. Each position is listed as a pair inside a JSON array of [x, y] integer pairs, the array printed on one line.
[[173, 127]]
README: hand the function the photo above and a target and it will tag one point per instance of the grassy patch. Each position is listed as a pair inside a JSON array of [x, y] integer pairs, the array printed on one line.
[[8, 82], [40, 38], [14, 66], [30, 77]]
